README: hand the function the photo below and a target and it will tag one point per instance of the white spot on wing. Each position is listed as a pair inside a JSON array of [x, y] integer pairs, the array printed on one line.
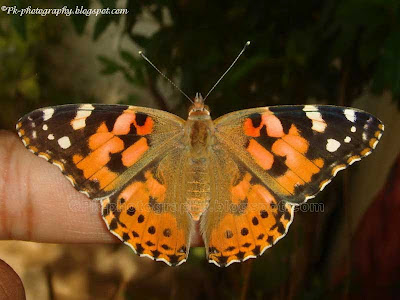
[[368, 153], [364, 136], [87, 106], [354, 160], [353, 129], [324, 185], [48, 113], [45, 127], [70, 180], [310, 108], [231, 262], [337, 170], [80, 120], [318, 124], [34, 135], [78, 124], [347, 139], [50, 136], [374, 145], [64, 142], [332, 145], [350, 115], [58, 165], [211, 261], [43, 156], [309, 197], [87, 195]]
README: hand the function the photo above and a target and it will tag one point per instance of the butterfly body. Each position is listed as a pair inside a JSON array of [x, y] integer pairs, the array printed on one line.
[[199, 131], [240, 175]]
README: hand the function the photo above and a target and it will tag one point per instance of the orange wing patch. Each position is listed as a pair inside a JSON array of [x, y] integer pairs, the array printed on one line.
[[140, 218], [104, 143], [289, 148], [262, 156], [134, 152], [252, 127], [143, 123], [256, 220]]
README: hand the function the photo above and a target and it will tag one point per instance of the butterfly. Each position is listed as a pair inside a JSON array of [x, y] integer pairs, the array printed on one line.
[[240, 176]]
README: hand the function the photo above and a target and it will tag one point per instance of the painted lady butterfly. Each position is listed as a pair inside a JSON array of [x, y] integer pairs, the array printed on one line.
[[241, 175]]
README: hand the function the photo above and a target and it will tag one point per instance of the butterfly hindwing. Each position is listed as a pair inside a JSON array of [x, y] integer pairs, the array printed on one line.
[[149, 212], [244, 217]]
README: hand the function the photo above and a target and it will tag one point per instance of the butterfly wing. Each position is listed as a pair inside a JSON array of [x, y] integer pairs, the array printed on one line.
[[149, 212], [244, 216], [98, 147], [278, 157], [117, 153]]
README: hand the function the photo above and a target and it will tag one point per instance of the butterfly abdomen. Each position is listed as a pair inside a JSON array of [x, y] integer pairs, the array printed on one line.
[[197, 187], [199, 136]]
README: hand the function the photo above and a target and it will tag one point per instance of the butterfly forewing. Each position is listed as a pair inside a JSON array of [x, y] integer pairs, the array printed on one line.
[[99, 147], [296, 150]]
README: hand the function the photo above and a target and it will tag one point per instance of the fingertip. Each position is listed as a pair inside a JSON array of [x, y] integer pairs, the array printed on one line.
[[39, 204]]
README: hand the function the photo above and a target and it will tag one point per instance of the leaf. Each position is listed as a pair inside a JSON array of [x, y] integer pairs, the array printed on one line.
[[140, 40], [102, 23], [19, 25], [387, 74], [19, 22], [371, 44], [135, 64], [78, 20], [129, 77], [128, 58], [108, 3], [29, 87], [109, 66]]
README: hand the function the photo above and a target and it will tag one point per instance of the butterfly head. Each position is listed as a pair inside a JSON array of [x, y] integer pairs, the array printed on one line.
[[198, 109]]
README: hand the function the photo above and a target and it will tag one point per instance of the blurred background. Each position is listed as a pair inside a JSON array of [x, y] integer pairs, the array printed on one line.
[[302, 52]]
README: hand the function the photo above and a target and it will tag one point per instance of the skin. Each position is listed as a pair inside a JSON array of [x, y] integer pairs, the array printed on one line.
[[38, 204]]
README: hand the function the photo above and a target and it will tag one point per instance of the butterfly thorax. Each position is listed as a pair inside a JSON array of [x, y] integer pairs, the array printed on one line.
[[199, 129], [199, 132]]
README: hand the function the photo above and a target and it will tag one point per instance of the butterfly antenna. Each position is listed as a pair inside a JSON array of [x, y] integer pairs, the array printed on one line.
[[162, 74], [230, 67]]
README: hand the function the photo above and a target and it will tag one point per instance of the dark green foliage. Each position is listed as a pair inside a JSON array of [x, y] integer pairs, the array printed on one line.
[[299, 50]]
